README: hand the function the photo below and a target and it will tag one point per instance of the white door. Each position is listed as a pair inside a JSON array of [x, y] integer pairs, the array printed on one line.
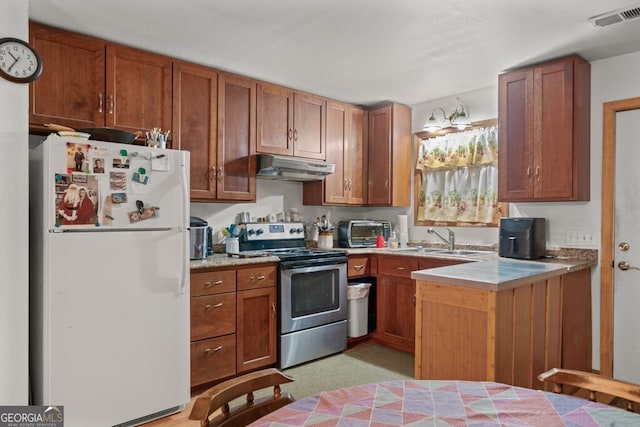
[[626, 288]]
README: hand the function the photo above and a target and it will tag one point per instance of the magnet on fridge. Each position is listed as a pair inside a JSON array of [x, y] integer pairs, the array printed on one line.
[[160, 163], [142, 171], [123, 153], [142, 179]]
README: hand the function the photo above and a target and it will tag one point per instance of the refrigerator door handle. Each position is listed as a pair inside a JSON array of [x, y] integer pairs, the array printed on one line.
[[185, 215], [185, 261]]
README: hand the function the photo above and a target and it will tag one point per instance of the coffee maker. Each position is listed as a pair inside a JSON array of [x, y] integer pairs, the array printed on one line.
[[523, 238], [201, 238]]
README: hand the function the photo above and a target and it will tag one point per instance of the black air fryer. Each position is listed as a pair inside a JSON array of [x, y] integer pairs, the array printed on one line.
[[523, 238]]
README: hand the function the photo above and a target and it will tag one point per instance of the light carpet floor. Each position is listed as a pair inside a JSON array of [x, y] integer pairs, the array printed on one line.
[[360, 365]]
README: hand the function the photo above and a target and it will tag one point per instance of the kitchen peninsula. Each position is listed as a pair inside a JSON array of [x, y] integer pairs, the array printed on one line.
[[502, 320]]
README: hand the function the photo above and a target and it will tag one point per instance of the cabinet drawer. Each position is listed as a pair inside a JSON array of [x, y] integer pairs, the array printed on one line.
[[213, 315], [426, 263], [213, 282], [213, 359], [397, 266], [257, 277], [358, 266]]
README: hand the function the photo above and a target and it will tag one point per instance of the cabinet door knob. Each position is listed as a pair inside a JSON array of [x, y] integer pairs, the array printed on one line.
[[257, 278], [110, 104], [295, 135], [100, 102], [209, 306], [289, 134], [528, 171], [209, 283], [212, 175], [358, 267]]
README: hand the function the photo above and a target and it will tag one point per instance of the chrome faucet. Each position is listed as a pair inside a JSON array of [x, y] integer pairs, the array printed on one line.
[[452, 238]]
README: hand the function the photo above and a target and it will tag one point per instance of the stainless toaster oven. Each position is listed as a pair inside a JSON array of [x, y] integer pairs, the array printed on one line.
[[362, 233]]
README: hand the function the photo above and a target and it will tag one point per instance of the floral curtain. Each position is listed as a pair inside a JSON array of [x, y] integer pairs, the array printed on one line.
[[459, 177]]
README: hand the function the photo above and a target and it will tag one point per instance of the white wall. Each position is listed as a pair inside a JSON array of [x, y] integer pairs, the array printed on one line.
[[276, 196], [14, 217]]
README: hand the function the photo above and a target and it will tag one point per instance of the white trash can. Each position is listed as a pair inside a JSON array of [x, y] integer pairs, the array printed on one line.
[[358, 309]]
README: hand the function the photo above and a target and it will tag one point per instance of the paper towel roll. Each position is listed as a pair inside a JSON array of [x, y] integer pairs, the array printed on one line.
[[403, 230]]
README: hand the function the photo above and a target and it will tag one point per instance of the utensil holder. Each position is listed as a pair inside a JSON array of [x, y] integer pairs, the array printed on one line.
[[325, 240]]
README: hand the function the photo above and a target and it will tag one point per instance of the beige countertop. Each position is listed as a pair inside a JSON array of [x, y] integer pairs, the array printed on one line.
[[495, 275], [487, 268], [224, 260]]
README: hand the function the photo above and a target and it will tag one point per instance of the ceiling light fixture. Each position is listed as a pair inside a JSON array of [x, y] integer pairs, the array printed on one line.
[[458, 119]]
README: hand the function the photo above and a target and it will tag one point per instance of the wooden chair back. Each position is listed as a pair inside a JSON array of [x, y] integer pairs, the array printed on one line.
[[594, 383], [212, 407]]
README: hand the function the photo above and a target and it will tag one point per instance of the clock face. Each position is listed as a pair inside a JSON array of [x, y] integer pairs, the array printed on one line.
[[19, 62]]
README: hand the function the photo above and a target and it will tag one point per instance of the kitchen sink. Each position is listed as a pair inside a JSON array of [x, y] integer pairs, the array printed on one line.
[[463, 252], [419, 250], [440, 251]]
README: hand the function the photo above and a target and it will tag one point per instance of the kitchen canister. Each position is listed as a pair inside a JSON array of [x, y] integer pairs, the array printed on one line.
[[325, 239], [311, 232], [233, 245]]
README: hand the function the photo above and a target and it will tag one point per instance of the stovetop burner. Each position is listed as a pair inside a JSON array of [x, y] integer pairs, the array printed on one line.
[[284, 240], [302, 253]]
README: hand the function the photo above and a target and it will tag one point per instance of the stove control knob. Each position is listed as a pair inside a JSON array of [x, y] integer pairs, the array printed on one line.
[[259, 231], [300, 230], [251, 232], [291, 231]]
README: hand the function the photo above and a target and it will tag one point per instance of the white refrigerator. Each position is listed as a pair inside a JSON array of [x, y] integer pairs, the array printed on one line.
[[109, 281]]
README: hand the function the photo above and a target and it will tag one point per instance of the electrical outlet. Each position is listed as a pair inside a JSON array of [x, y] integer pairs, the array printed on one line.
[[580, 238]]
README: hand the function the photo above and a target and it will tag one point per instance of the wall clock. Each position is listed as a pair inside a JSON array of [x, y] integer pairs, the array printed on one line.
[[19, 61]]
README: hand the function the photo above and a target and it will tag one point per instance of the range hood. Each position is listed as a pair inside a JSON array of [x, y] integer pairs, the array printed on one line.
[[286, 168]]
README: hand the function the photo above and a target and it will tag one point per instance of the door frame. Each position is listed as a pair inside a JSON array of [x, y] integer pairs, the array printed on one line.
[[610, 109]]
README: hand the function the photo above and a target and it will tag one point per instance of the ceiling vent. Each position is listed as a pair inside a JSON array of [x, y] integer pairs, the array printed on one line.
[[616, 16]]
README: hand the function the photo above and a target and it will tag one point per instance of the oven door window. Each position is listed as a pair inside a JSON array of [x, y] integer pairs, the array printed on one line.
[[312, 296], [314, 292]]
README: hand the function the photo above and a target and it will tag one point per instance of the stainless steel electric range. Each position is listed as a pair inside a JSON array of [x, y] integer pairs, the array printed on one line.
[[312, 292]]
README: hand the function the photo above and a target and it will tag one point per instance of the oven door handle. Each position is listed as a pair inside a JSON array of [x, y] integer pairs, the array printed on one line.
[[313, 264]]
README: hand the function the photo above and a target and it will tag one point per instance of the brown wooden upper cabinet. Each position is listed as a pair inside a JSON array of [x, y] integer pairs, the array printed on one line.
[[347, 149], [214, 119], [236, 178], [290, 123], [389, 156], [195, 124], [88, 82], [544, 132]]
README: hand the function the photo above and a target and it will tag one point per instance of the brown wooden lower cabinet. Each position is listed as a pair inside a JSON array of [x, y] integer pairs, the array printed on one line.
[[396, 298], [257, 317], [509, 336], [395, 316], [233, 321], [358, 266], [212, 359]]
